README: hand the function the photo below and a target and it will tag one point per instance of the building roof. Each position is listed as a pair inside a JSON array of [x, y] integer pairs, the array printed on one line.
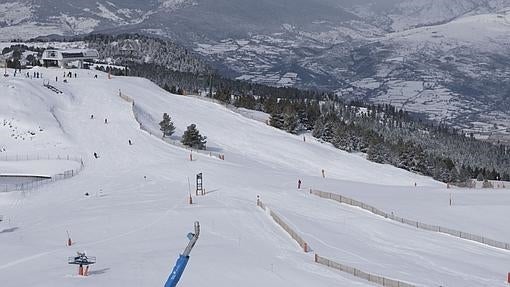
[[70, 54]]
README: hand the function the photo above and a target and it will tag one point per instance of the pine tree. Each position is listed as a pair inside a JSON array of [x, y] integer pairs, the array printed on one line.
[[166, 125], [276, 120], [290, 122], [192, 138], [377, 152]]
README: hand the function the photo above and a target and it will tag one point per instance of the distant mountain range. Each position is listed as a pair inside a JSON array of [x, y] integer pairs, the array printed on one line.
[[447, 58]]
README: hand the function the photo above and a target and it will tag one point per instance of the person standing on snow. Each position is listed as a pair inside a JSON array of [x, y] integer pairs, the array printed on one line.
[[299, 184]]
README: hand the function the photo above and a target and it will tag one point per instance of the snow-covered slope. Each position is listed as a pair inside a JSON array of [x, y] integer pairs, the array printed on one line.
[[446, 58], [414, 13], [487, 32], [136, 215]]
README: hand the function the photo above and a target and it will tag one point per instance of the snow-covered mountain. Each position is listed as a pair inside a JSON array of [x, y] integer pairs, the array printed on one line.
[[217, 19], [34, 18], [129, 206], [422, 55]]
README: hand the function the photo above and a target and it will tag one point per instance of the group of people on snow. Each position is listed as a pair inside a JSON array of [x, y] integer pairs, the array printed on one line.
[[106, 122]]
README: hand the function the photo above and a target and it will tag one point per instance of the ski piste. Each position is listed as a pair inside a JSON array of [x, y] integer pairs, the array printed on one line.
[[181, 263]]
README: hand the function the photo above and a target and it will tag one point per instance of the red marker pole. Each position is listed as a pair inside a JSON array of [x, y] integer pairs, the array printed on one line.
[[69, 241]]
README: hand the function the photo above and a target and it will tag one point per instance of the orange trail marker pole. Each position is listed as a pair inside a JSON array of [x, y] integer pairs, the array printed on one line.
[[69, 241]]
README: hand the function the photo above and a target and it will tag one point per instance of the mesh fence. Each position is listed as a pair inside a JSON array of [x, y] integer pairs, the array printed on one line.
[[330, 263], [380, 280], [44, 180], [417, 224], [300, 241]]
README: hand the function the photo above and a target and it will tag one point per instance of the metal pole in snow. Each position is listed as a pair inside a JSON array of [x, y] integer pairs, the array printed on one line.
[[189, 191]]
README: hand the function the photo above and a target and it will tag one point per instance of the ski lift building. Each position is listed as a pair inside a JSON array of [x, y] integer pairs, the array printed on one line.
[[62, 58]]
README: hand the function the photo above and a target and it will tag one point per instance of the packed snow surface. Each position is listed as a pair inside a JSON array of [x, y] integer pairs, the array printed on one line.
[[136, 216]]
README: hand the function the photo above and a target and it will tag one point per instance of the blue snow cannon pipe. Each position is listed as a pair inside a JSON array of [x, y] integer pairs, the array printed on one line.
[[181, 263], [176, 274]]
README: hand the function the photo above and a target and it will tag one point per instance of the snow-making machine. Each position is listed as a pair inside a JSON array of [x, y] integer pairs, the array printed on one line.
[[181, 263], [83, 261]]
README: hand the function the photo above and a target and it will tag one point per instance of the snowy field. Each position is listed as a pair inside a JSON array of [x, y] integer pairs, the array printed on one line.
[[137, 214]]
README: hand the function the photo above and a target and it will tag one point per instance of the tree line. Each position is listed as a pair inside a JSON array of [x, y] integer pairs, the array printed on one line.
[[384, 133]]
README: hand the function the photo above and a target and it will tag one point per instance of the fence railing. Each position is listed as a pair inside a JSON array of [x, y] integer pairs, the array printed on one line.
[[25, 157], [380, 280], [417, 224], [38, 183], [300, 241], [126, 98]]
